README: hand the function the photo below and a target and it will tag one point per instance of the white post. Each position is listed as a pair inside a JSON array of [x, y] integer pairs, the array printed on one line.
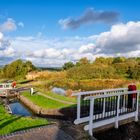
[[118, 104], [104, 105], [32, 91], [91, 116], [137, 108], [78, 106]]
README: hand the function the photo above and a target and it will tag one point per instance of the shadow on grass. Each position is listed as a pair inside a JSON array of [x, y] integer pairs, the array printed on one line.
[[9, 121]]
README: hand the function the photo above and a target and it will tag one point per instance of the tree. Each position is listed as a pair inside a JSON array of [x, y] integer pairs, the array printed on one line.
[[119, 59], [17, 68], [83, 61], [68, 65], [102, 60]]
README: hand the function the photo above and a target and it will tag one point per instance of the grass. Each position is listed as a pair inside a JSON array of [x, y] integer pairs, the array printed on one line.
[[10, 123], [44, 102], [138, 86], [64, 98]]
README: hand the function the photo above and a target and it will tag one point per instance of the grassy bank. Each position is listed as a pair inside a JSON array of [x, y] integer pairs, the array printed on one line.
[[10, 123], [57, 96], [44, 102]]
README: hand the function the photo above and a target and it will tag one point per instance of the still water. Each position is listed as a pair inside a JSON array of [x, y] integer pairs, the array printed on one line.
[[19, 109]]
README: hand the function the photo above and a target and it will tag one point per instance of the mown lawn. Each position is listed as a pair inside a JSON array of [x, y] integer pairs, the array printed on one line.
[[10, 123], [44, 102], [64, 98]]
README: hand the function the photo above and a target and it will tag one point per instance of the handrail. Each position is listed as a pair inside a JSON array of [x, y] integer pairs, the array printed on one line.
[[119, 112], [111, 95], [97, 91]]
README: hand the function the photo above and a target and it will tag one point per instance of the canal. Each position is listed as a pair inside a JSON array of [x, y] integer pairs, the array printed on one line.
[[18, 108]]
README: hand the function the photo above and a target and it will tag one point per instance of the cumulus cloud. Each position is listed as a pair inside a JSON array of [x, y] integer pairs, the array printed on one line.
[[90, 16], [87, 48], [7, 53], [8, 25], [122, 38]]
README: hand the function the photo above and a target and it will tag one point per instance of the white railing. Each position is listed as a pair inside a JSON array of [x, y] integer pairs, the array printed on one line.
[[82, 95], [6, 86], [3, 92], [121, 112]]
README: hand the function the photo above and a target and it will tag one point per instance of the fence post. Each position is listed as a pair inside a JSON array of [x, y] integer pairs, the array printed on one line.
[[104, 105], [31, 91], [137, 108], [91, 116], [78, 108], [118, 104]]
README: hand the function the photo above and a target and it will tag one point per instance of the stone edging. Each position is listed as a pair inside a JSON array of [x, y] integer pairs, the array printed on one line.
[[38, 110], [24, 131], [41, 111]]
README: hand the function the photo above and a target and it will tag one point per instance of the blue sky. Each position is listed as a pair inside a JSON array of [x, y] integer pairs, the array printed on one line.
[[52, 32]]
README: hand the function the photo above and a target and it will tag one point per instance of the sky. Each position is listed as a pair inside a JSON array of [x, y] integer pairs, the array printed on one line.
[[52, 32]]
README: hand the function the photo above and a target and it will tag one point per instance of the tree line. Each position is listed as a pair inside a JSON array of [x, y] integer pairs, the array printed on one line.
[[17, 69], [104, 68]]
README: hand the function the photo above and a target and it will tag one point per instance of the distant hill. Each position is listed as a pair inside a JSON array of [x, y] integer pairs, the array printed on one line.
[[1, 66]]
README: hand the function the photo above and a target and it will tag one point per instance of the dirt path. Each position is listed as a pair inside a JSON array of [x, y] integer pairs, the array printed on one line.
[[62, 101]]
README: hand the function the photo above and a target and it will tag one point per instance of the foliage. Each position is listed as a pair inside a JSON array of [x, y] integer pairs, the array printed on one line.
[[17, 69], [82, 61], [135, 72], [68, 65], [10, 123], [91, 71]]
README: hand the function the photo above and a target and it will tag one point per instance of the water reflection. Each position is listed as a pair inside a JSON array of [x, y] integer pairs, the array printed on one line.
[[59, 91], [19, 109]]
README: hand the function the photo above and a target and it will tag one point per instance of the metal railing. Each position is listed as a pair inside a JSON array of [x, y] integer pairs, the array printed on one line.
[[6, 86], [83, 106], [117, 107]]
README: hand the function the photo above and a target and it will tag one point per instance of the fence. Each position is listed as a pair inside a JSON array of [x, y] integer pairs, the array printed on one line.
[[6, 86], [83, 105], [103, 107]]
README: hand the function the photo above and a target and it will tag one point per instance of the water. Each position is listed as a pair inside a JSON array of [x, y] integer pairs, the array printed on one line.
[[19, 109], [59, 91]]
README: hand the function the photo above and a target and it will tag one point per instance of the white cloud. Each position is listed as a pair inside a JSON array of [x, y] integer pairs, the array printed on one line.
[[122, 38], [21, 24], [87, 48], [7, 52], [8, 25]]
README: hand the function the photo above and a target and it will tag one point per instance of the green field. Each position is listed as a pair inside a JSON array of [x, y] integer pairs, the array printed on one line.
[[44, 102], [10, 123], [51, 94]]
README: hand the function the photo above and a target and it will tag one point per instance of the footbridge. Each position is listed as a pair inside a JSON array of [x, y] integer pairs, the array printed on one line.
[[7, 89], [4, 88], [103, 107]]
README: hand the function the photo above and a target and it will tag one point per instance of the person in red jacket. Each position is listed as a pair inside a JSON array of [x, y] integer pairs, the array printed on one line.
[[14, 84], [132, 97]]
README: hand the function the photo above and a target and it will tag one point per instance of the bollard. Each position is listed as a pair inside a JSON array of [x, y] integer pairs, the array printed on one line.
[[132, 97], [31, 91]]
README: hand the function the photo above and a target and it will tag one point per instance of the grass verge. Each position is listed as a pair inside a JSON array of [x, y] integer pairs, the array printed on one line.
[[60, 97], [10, 123], [44, 102]]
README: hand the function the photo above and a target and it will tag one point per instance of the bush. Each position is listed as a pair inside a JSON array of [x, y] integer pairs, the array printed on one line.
[[91, 71]]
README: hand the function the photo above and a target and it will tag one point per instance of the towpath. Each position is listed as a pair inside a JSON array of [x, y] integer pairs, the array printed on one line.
[[59, 100]]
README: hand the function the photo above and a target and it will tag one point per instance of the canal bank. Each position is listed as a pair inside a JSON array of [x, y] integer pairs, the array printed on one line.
[[62, 113]]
